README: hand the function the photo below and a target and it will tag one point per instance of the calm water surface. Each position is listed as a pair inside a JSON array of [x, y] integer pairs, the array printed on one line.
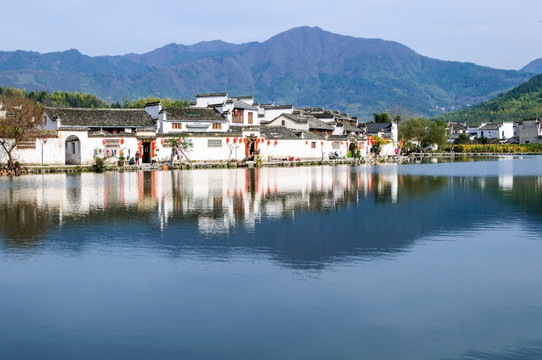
[[428, 261]]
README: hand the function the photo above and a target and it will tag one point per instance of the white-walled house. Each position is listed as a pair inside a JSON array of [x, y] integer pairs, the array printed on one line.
[[175, 120], [383, 130], [455, 129], [239, 111], [268, 112], [502, 131], [213, 99], [86, 133], [302, 123]]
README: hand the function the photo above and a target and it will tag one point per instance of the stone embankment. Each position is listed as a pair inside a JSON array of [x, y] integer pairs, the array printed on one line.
[[397, 159]]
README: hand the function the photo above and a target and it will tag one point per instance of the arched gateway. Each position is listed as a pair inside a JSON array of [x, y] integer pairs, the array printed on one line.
[[72, 150]]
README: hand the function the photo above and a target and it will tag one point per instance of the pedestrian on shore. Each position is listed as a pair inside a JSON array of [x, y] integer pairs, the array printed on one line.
[[137, 157]]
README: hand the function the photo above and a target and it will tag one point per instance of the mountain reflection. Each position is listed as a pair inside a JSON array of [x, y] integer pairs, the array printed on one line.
[[304, 217]]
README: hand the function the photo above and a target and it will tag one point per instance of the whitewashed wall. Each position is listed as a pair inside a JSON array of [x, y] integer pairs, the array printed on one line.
[[507, 130], [288, 123], [270, 114]]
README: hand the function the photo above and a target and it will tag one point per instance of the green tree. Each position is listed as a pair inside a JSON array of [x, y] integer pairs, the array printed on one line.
[[382, 117], [422, 132], [462, 139]]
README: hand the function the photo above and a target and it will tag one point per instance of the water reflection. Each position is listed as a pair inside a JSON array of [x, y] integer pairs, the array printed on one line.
[[340, 262], [304, 217]]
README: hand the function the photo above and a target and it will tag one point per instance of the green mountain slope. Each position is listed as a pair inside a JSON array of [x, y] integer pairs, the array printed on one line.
[[534, 67], [522, 102], [304, 66]]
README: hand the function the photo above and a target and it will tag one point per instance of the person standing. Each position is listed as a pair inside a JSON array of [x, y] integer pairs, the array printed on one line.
[[137, 157]]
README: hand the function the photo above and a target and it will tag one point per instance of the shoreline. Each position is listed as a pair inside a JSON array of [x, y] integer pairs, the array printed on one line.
[[395, 159]]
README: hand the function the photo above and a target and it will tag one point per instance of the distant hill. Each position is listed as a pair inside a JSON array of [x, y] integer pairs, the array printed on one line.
[[534, 67], [304, 66], [522, 102]]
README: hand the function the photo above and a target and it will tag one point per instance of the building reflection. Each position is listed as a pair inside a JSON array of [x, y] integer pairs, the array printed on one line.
[[391, 209]]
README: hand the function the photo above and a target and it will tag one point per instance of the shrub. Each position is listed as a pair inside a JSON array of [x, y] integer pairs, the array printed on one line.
[[99, 165]]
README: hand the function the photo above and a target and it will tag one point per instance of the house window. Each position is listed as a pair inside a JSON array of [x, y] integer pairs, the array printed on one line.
[[214, 143], [313, 145], [27, 144], [73, 147], [217, 126], [335, 145], [176, 126], [250, 115], [237, 116], [283, 122]]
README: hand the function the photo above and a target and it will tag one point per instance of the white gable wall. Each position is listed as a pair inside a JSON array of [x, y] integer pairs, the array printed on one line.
[[289, 123], [205, 101]]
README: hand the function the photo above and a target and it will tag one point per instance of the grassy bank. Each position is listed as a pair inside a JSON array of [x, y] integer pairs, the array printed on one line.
[[495, 148]]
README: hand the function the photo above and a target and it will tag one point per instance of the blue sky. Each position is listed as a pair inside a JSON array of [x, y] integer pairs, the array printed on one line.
[[498, 33]]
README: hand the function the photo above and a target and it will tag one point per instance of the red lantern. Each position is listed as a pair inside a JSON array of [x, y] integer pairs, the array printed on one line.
[[276, 142], [341, 142], [322, 143], [228, 140], [234, 140], [122, 141], [268, 142], [245, 140], [306, 142], [162, 141], [103, 141]]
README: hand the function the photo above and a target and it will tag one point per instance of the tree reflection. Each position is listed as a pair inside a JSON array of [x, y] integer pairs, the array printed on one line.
[[24, 224]]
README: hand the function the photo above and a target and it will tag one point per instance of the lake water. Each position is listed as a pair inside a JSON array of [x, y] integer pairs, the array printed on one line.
[[428, 261]]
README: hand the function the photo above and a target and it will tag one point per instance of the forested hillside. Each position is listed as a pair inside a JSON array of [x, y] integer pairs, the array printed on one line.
[[520, 103]]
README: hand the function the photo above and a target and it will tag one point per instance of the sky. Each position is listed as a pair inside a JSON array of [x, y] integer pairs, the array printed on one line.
[[504, 34]]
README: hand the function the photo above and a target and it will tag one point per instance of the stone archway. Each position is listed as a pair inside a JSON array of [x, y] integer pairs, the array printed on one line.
[[72, 150]]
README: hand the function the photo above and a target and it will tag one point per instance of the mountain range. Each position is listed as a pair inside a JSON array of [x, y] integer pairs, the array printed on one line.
[[304, 66]]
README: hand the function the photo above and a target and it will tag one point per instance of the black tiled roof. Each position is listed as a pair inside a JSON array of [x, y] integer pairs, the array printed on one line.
[[192, 114], [243, 105], [319, 124], [278, 132], [350, 128], [373, 128], [307, 135], [127, 118], [490, 127], [458, 127], [212, 94], [271, 107]]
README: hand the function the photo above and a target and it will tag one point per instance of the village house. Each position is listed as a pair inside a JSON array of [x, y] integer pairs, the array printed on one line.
[[503, 131], [455, 129], [239, 111], [268, 112], [299, 122], [530, 131], [383, 130], [86, 133]]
